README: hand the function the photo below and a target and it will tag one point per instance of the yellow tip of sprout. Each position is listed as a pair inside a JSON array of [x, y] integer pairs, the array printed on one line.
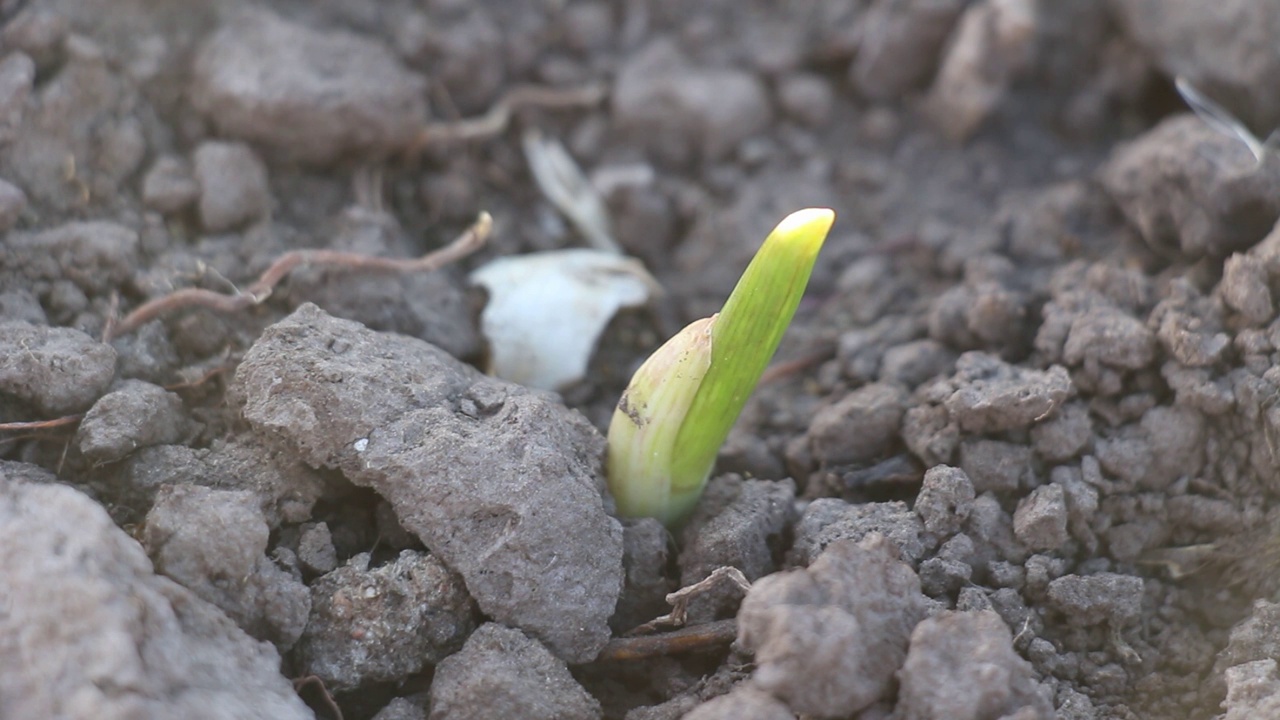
[[683, 401]]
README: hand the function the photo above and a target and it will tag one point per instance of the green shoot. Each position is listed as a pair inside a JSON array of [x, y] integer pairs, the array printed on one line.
[[683, 401]]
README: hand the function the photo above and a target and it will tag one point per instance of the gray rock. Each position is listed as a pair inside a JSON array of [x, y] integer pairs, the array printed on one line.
[[1109, 336], [945, 499], [402, 709], [826, 520], [56, 370], [806, 98], [1006, 575], [108, 622], [1041, 570], [135, 415], [1192, 190], [1253, 691], [503, 673], [39, 32], [1176, 436], [1257, 637], [1082, 504], [915, 362], [12, 200], [315, 548], [386, 623], [469, 49], [991, 530], [996, 314], [233, 185], [501, 483], [940, 576], [1165, 445], [994, 396], [307, 96], [962, 666], [828, 639], [1072, 704], [995, 466], [870, 288], [1125, 456], [66, 303], [683, 111], [901, 45], [744, 702], [285, 489], [97, 256], [1186, 39], [972, 598], [992, 43], [738, 523], [1095, 599], [13, 471], [169, 186], [1064, 435], [861, 427], [930, 432], [1040, 522], [1190, 327], [85, 110], [1244, 289], [147, 354], [17, 75], [21, 304], [214, 543]]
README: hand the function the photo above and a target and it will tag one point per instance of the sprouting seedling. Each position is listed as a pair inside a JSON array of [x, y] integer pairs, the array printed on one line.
[[682, 402], [1220, 119]]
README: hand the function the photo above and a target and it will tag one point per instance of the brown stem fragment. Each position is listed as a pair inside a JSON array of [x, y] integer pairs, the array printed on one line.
[[496, 119], [708, 636], [42, 424], [466, 243]]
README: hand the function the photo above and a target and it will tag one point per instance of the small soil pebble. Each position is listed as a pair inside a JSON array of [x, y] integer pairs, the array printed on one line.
[[859, 428], [682, 111], [501, 672], [500, 481], [233, 185], [308, 96], [945, 499], [54, 370], [385, 623], [1040, 522], [104, 613], [214, 543], [962, 665], [135, 415], [829, 639], [169, 186]]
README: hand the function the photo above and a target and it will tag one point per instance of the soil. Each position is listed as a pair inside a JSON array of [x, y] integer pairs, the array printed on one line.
[[1015, 459]]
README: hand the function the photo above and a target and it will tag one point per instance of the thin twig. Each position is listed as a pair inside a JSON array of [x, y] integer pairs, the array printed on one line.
[[680, 599], [42, 424], [496, 119], [787, 368], [708, 636], [257, 293]]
